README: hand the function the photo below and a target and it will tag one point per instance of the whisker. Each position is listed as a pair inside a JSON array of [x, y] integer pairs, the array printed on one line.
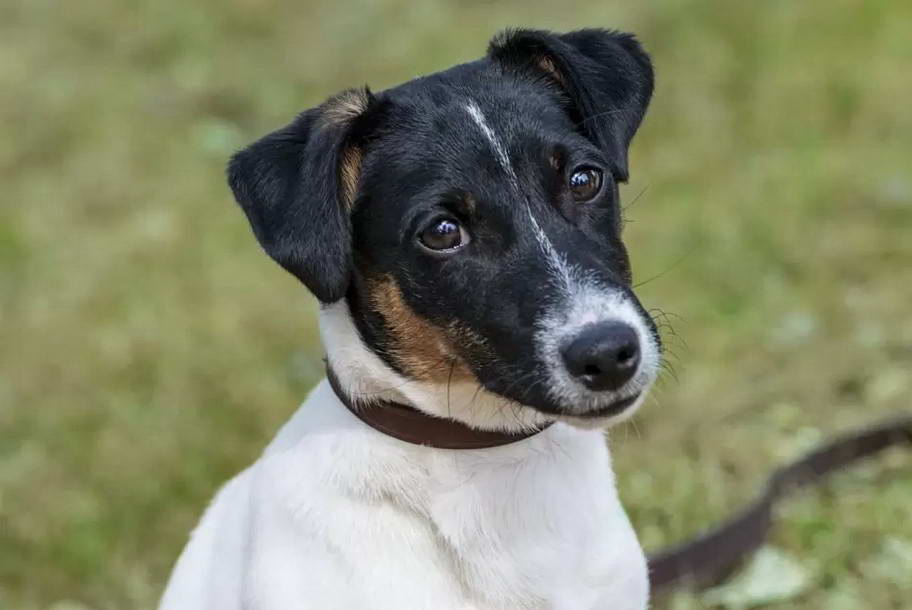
[[673, 266], [635, 199]]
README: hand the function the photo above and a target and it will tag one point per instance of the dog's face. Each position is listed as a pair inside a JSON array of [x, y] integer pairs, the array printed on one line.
[[470, 221]]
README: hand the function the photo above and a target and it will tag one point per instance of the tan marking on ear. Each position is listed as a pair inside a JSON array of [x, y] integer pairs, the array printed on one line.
[[421, 348], [336, 112], [547, 64], [349, 172], [345, 106]]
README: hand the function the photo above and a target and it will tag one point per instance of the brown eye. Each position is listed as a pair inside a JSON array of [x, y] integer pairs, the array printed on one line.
[[444, 234], [585, 184]]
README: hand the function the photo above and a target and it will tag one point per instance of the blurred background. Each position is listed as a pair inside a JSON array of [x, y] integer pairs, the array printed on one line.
[[149, 349]]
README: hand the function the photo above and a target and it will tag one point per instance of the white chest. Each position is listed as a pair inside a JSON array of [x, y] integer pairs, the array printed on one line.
[[542, 531], [536, 524], [337, 516]]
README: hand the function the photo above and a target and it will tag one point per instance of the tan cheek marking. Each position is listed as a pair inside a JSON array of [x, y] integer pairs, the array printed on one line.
[[421, 348], [471, 341]]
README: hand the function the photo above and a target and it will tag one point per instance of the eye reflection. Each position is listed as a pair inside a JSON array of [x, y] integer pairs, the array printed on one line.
[[585, 184], [444, 234]]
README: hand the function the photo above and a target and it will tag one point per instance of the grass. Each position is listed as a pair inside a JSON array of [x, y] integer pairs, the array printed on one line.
[[148, 349]]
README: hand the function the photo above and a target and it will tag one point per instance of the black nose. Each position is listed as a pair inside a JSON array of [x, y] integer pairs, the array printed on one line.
[[603, 356]]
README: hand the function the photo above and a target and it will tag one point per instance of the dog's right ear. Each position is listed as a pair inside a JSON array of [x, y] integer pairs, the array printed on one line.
[[605, 75], [297, 186]]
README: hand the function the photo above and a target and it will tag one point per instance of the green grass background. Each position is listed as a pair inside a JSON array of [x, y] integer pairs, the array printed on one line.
[[148, 349]]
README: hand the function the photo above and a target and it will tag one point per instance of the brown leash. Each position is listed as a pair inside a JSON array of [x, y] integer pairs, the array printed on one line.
[[712, 556], [703, 560], [412, 426]]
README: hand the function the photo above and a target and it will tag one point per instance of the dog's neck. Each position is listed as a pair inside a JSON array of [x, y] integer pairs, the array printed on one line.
[[364, 376]]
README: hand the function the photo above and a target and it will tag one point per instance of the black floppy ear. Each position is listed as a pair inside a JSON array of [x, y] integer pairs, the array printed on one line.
[[296, 186], [606, 76]]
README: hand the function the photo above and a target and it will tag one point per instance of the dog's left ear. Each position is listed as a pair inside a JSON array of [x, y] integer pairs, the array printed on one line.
[[606, 76]]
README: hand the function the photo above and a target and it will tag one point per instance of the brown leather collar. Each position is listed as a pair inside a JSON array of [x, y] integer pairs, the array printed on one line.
[[412, 426]]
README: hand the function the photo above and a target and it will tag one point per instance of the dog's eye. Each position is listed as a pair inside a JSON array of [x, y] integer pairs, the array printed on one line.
[[585, 183], [444, 234]]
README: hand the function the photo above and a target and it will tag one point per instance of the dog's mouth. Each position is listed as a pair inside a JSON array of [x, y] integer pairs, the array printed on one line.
[[613, 409]]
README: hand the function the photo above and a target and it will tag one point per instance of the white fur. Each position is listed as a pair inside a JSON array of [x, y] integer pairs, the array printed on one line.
[[500, 150], [336, 515]]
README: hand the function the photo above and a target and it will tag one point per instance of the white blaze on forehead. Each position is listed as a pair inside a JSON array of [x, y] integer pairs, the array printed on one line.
[[499, 151], [558, 265], [556, 262]]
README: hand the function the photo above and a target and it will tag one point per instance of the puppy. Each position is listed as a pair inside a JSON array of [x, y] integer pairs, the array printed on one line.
[[462, 232]]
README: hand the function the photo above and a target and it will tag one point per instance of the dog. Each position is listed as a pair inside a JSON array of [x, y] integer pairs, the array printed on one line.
[[462, 232]]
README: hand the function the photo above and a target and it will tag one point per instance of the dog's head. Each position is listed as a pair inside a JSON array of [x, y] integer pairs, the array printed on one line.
[[466, 226]]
